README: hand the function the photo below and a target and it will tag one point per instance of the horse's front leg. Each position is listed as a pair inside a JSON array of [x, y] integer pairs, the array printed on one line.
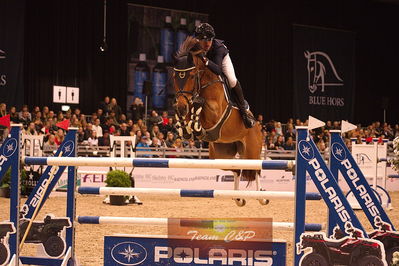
[[195, 124], [182, 126], [237, 177]]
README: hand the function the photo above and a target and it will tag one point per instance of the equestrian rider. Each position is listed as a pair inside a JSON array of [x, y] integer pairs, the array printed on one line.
[[217, 59]]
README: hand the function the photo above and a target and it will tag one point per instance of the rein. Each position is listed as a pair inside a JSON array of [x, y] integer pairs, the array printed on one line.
[[197, 88]]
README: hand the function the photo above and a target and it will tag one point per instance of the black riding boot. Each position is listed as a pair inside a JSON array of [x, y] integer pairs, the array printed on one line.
[[247, 118]]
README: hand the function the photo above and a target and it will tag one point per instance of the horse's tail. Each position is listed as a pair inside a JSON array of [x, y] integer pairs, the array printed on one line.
[[250, 175]]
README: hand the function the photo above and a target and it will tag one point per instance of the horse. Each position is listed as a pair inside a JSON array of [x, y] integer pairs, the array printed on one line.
[[203, 109]]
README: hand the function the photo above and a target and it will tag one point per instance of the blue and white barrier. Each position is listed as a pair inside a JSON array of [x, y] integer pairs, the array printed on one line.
[[162, 163], [192, 193], [165, 221]]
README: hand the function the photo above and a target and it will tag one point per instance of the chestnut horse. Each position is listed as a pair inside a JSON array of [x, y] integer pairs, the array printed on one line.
[[202, 109]]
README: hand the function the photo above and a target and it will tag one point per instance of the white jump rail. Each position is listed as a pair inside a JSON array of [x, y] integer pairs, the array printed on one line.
[[165, 221], [192, 193]]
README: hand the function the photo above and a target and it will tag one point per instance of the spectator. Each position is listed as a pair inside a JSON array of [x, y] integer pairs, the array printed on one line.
[[59, 137], [14, 115], [24, 114], [161, 138], [130, 125], [124, 131], [114, 120], [45, 112], [51, 115], [101, 115], [82, 120], [105, 139], [321, 145], [143, 146], [3, 109], [87, 131], [139, 134], [92, 140], [170, 140], [289, 144], [122, 119], [97, 128], [137, 109], [50, 145], [114, 107], [107, 125], [25, 118], [104, 106], [261, 122], [270, 126], [178, 145], [155, 130], [270, 144], [60, 116], [279, 144], [169, 127], [290, 132], [154, 119], [278, 128], [31, 130], [164, 118]]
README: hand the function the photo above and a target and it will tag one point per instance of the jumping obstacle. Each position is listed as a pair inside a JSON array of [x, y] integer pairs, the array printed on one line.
[[308, 160], [68, 148]]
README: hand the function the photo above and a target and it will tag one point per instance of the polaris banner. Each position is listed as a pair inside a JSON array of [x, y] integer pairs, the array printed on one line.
[[153, 250], [12, 52], [343, 162], [324, 73]]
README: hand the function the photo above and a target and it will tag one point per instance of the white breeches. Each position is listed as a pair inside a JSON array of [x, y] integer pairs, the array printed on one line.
[[228, 71]]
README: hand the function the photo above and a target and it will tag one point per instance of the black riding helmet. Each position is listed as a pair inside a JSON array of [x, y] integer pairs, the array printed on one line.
[[204, 31]]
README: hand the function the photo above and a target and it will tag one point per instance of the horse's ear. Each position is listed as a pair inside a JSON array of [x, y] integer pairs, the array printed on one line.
[[307, 54]]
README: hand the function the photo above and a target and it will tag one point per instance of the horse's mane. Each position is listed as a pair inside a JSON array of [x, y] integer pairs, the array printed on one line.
[[190, 44]]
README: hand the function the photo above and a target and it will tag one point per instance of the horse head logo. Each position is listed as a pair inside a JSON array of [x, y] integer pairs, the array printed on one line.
[[317, 71], [2, 54]]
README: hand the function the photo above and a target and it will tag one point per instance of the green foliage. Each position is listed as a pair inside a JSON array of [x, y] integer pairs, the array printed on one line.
[[118, 178], [6, 181]]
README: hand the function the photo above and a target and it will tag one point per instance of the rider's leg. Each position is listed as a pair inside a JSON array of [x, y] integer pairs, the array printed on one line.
[[228, 70]]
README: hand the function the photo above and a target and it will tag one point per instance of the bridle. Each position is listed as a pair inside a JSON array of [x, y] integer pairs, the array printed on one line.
[[196, 90], [197, 84]]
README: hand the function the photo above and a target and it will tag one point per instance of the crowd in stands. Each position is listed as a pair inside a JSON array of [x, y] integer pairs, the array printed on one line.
[[159, 131]]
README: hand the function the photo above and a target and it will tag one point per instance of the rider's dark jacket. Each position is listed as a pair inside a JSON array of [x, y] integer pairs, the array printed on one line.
[[215, 55]]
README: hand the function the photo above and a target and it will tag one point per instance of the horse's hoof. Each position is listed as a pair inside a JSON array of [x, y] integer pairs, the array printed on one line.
[[263, 201], [240, 202]]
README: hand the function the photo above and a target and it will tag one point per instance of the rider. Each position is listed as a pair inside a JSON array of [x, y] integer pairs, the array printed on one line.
[[217, 59]]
